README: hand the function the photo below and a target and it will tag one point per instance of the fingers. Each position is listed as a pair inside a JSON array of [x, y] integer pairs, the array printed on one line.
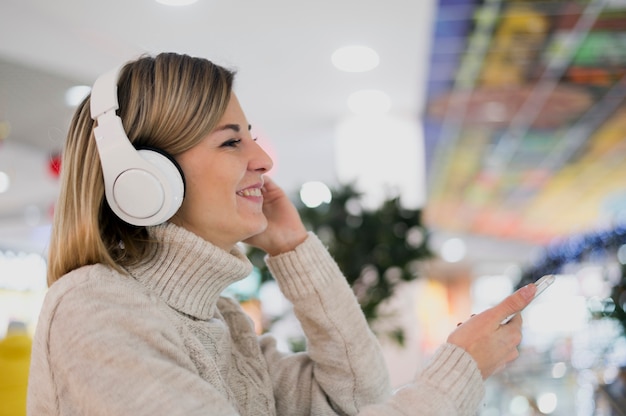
[[514, 303], [285, 229], [461, 323], [271, 191], [269, 183], [491, 348], [490, 344], [506, 310], [512, 340]]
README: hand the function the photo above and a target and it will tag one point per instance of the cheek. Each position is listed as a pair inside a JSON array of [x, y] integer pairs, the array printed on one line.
[[201, 181], [210, 184], [196, 198]]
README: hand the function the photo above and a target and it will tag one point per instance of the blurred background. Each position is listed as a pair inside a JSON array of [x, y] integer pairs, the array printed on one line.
[[486, 137]]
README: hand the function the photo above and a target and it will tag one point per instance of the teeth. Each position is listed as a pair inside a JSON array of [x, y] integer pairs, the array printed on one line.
[[250, 192]]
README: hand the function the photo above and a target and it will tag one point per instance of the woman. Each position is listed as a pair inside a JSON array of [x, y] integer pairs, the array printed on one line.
[[133, 322]]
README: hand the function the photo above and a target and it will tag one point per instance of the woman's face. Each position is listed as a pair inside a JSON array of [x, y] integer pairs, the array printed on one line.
[[224, 175]]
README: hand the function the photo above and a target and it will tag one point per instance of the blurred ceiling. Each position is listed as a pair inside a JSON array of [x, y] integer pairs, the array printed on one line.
[[522, 101], [526, 118]]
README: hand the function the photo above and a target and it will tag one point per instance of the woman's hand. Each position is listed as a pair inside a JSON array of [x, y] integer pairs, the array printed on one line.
[[491, 344], [285, 229]]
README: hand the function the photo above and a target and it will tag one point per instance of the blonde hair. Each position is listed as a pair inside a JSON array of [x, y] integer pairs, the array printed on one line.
[[169, 102]]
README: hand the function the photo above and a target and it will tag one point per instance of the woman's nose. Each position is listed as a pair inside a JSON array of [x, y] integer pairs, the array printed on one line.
[[260, 160]]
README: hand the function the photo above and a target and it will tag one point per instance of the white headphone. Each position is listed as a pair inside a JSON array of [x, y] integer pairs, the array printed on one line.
[[143, 187]]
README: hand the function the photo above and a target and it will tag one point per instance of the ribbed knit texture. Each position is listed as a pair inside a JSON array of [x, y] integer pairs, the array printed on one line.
[[189, 274], [161, 341]]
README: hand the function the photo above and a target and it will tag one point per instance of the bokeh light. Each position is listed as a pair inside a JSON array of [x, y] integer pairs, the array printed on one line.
[[315, 193]]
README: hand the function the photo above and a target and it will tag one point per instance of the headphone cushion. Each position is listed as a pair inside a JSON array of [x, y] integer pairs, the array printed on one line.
[[173, 183]]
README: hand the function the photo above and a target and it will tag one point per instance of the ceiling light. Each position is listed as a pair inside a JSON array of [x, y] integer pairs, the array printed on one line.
[[355, 58], [369, 102], [75, 95], [176, 2]]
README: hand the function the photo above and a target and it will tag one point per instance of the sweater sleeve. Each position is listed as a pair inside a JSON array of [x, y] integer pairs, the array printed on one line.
[[343, 371], [90, 332]]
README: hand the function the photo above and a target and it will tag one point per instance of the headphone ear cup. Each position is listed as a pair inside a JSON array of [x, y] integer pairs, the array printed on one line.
[[150, 194], [173, 184]]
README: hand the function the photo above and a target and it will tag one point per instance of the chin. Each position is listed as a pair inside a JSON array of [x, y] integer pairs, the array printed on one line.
[[258, 230]]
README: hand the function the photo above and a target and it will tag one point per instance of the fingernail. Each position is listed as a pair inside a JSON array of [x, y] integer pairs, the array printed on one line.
[[527, 292]]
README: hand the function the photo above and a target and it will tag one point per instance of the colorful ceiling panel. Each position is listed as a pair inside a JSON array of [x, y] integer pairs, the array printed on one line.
[[526, 118]]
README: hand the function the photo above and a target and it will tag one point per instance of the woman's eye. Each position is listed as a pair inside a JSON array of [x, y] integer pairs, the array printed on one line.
[[231, 143]]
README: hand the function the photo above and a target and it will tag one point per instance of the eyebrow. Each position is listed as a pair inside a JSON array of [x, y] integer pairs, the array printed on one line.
[[234, 127]]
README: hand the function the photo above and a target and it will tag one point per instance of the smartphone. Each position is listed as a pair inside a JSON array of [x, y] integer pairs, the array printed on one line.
[[542, 284]]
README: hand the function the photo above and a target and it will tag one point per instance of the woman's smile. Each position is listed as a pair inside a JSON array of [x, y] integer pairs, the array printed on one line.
[[253, 191]]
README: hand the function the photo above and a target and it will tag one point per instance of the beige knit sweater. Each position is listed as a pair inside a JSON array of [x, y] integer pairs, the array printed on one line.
[[161, 341]]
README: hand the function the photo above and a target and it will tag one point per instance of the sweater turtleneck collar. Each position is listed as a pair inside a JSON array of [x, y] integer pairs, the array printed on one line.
[[188, 272]]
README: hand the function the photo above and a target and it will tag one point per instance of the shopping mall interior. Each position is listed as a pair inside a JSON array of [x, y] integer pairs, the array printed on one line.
[[447, 152]]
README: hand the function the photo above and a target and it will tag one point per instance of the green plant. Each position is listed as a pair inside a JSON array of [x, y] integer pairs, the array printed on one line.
[[376, 249]]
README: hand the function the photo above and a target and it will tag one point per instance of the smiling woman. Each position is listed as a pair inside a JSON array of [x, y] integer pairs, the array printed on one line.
[[134, 321]]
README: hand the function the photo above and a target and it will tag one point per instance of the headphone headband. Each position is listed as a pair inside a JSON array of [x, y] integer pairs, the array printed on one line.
[[104, 94]]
